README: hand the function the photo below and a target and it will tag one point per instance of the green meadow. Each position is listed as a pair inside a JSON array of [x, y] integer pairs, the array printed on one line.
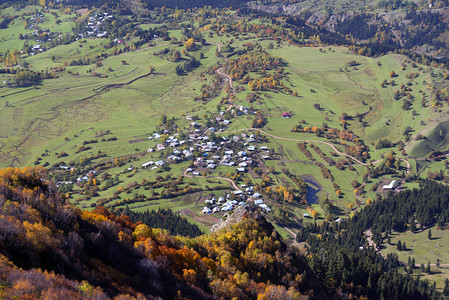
[[424, 250]]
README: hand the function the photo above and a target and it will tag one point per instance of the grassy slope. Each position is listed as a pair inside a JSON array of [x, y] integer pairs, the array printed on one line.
[[69, 104], [424, 251]]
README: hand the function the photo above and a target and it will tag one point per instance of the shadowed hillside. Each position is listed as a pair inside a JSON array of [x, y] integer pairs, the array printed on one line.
[[97, 254]]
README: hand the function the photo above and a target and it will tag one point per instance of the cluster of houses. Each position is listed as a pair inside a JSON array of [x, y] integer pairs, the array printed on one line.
[[215, 205], [94, 25], [34, 21], [205, 153], [87, 176], [36, 48], [43, 34], [208, 153], [224, 204], [153, 164], [219, 153]]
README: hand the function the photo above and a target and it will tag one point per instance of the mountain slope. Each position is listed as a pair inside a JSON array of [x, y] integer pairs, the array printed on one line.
[[98, 254]]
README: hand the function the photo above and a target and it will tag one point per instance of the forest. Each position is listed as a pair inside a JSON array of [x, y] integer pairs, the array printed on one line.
[[165, 219], [335, 247]]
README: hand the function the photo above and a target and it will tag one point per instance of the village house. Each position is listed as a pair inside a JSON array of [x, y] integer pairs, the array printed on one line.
[[265, 207], [144, 165], [392, 185], [226, 207]]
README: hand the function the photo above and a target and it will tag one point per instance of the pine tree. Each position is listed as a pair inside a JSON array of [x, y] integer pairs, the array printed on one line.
[[446, 288], [412, 226], [369, 285]]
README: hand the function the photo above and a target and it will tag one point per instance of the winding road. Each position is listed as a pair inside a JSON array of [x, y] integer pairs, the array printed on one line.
[[213, 177], [220, 70], [359, 163]]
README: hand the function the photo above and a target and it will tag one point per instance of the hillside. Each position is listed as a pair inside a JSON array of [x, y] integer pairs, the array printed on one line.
[[357, 244], [48, 248], [64, 251]]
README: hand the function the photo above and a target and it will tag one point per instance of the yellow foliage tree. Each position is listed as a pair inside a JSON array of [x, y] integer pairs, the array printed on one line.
[[189, 44], [39, 236], [142, 232]]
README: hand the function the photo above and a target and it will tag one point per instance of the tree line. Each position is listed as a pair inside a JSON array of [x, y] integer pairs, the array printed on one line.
[[340, 254], [166, 219]]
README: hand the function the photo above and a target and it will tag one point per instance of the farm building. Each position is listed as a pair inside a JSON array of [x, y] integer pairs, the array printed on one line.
[[392, 185], [144, 165], [226, 207], [265, 207]]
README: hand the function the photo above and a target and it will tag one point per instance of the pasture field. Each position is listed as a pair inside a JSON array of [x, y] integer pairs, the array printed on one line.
[[72, 103], [424, 251]]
